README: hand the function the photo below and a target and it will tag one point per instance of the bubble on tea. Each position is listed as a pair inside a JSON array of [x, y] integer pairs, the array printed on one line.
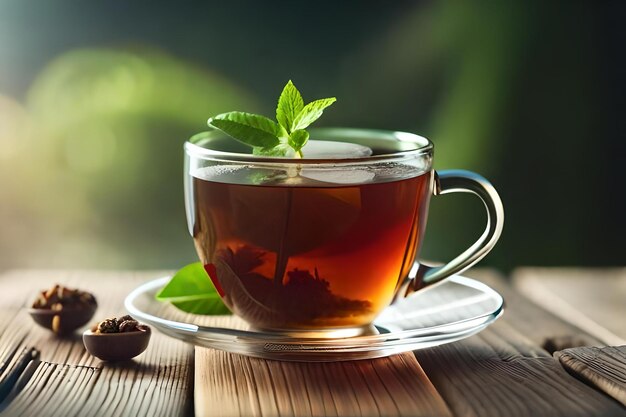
[[320, 149], [352, 176], [324, 149]]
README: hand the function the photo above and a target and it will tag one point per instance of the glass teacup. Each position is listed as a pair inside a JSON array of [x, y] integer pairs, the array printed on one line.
[[322, 245]]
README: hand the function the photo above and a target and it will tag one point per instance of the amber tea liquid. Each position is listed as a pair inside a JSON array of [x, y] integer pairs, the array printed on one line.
[[295, 251]]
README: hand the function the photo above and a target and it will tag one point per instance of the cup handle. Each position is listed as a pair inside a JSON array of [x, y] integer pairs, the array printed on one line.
[[453, 181]]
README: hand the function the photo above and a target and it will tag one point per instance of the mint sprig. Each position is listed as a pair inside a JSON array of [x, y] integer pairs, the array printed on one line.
[[267, 137], [191, 290]]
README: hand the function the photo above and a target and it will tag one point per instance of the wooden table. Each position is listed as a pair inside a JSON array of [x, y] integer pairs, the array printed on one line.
[[526, 364]]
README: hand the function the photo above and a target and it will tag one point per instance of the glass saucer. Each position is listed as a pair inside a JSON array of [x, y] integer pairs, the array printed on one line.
[[452, 310]]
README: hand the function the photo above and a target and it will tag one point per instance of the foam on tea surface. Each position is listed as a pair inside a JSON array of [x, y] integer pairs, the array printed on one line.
[[324, 149], [292, 173]]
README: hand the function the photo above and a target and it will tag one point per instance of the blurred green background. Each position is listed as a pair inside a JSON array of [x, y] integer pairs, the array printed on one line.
[[97, 98]]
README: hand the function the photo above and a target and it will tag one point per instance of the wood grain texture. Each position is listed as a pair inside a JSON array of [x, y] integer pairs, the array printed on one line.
[[67, 381], [234, 385], [504, 371], [604, 368], [593, 299], [534, 321]]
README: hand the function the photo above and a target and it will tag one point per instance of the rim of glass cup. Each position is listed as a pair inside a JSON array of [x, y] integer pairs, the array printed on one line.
[[423, 147]]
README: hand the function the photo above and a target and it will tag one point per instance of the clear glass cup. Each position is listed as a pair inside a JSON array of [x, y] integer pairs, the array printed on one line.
[[322, 246]]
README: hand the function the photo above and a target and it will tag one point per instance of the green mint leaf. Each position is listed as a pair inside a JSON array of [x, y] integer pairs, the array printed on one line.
[[298, 139], [290, 103], [311, 112], [278, 150], [251, 129], [191, 290]]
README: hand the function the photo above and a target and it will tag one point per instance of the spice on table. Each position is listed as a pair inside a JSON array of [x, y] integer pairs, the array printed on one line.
[[122, 324], [107, 326], [59, 297], [116, 339], [62, 309]]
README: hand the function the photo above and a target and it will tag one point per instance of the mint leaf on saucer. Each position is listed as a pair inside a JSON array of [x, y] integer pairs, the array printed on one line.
[[311, 112], [251, 129], [290, 103], [267, 137], [191, 290]]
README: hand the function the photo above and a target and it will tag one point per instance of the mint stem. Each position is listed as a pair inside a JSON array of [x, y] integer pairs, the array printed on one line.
[[281, 257]]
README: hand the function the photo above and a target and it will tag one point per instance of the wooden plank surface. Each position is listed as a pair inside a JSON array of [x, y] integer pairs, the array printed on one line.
[[66, 380], [505, 371], [234, 385], [604, 368], [535, 321], [594, 299]]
